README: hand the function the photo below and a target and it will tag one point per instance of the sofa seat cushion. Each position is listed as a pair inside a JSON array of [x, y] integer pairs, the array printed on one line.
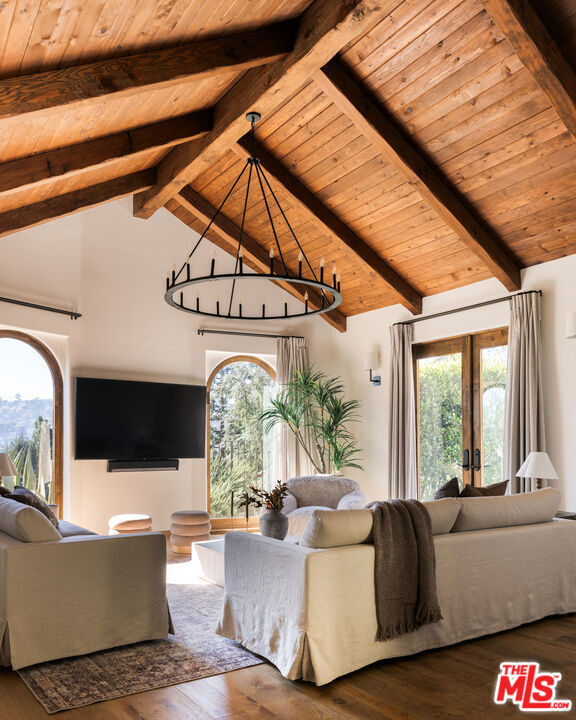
[[25, 523], [68, 529], [481, 513], [298, 519]]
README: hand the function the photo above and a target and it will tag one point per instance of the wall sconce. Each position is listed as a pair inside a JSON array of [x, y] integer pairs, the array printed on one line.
[[571, 325], [370, 363]]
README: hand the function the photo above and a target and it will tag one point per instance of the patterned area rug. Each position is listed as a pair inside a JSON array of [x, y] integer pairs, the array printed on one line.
[[194, 652]]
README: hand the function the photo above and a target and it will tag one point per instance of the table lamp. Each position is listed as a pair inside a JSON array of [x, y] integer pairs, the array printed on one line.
[[538, 465], [7, 468]]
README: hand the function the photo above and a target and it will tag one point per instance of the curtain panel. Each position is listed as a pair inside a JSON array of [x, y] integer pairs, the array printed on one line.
[[524, 407], [292, 355], [402, 468]]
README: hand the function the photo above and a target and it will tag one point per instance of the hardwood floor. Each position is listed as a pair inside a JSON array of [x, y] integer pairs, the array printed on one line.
[[446, 684]]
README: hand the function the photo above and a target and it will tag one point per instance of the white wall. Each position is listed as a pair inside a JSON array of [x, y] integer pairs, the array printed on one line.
[[343, 355], [111, 268]]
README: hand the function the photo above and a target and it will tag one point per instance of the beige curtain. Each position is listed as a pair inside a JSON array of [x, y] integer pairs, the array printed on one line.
[[402, 467], [524, 409], [292, 355]]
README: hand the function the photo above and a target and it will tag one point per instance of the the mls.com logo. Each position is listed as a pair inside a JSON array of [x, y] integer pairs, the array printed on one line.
[[527, 687]]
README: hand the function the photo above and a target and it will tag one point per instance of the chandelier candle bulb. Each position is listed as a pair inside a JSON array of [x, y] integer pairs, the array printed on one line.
[[272, 261], [322, 274], [300, 258], [306, 301]]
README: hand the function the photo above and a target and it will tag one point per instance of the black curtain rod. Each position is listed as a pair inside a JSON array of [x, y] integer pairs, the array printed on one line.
[[467, 307], [203, 331], [73, 315]]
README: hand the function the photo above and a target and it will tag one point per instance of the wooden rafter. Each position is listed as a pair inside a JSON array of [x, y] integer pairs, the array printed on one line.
[[324, 28], [321, 215], [226, 234], [61, 205], [43, 167], [536, 49], [58, 90], [382, 131]]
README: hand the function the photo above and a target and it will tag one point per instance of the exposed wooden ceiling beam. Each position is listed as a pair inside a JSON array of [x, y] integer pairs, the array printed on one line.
[[401, 151], [324, 28], [322, 216], [226, 235], [536, 49], [43, 167], [61, 205], [58, 90]]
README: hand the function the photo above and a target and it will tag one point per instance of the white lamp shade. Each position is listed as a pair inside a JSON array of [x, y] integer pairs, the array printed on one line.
[[7, 468], [371, 360], [538, 465], [571, 325]]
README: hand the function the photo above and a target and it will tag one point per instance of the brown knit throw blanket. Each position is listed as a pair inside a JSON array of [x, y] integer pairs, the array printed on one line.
[[404, 568]]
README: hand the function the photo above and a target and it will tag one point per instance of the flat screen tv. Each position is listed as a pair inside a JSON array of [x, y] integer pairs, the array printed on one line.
[[127, 420]]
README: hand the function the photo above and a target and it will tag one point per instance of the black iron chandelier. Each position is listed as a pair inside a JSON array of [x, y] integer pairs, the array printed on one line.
[[316, 295]]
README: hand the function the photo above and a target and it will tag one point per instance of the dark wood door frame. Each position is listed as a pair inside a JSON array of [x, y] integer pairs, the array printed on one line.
[[470, 346], [58, 382]]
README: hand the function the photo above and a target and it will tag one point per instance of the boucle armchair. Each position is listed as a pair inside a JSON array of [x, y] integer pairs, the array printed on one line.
[[319, 492]]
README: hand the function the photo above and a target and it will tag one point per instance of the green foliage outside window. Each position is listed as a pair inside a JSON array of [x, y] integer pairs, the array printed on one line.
[[440, 418], [239, 456]]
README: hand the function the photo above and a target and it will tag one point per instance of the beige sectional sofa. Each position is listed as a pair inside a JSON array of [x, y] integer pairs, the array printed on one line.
[[64, 596], [310, 608]]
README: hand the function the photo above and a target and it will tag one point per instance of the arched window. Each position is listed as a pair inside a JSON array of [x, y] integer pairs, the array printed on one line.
[[239, 453], [31, 413]]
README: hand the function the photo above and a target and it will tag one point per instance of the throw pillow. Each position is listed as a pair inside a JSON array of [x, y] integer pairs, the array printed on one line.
[[27, 497], [486, 491], [450, 489]]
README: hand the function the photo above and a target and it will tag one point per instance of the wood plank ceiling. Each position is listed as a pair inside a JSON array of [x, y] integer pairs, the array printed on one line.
[[420, 145]]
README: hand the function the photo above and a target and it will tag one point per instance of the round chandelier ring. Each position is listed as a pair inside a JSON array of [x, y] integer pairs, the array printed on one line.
[[176, 287], [326, 297]]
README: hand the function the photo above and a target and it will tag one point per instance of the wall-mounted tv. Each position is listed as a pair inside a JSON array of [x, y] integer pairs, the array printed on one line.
[[128, 420]]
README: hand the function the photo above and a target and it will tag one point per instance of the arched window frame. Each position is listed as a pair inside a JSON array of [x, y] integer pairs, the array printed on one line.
[[58, 384], [222, 524]]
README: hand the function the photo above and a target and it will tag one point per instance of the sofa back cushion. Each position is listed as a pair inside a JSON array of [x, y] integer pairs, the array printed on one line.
[[326, 491], [443, 514], [328, 528], [25, 523], [481, 513]]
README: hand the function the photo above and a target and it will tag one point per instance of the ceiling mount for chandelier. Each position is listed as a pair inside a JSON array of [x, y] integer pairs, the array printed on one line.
[[316, 295]]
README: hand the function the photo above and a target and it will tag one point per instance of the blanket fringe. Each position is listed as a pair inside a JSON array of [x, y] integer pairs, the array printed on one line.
[[426, 615]]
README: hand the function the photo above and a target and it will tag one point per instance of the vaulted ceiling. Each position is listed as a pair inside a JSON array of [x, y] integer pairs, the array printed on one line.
[[420, 145]]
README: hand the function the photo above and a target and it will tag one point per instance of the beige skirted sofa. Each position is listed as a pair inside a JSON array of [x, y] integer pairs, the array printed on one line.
[[307, 493], [64, 596], [310, 608]]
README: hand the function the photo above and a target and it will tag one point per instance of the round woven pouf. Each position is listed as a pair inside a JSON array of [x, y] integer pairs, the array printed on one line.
[[129, 524], [188, 526]]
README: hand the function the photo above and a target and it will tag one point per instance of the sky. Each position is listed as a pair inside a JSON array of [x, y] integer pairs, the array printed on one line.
[[23, 371]]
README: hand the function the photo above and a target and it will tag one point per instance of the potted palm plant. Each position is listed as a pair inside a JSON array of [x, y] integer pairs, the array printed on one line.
[[313, 407]]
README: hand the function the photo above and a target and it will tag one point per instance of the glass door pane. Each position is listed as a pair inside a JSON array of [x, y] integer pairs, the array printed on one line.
[[493, 362], [440, 430]]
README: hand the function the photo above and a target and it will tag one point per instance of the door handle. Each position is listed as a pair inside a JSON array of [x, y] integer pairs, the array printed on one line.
[[476, 466], [466, 460]]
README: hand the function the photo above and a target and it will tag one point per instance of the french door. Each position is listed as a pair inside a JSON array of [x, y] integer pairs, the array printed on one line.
[[460, 386]]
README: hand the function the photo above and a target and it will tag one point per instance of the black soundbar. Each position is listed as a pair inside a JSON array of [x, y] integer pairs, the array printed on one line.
[[142, 465]]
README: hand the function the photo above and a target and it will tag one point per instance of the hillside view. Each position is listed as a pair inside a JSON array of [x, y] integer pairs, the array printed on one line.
[[17, 417]]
